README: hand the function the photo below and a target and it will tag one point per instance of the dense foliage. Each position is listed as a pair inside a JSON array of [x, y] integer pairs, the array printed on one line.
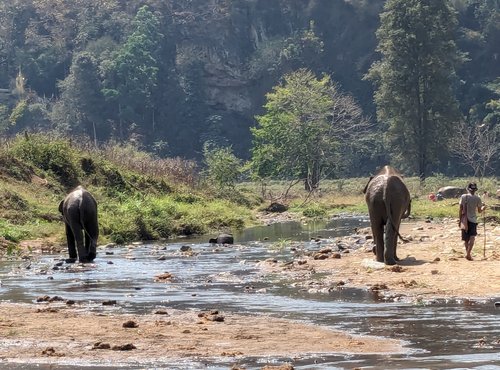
[[415, 78], [306, 130], [140, 197], [171, 75]]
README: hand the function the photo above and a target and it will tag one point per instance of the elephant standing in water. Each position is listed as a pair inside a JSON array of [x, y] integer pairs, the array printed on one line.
[[79, 210], [388, 201]]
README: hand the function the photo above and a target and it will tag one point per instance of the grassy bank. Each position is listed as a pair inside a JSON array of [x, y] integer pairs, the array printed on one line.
[[141, 197], [341, 196]]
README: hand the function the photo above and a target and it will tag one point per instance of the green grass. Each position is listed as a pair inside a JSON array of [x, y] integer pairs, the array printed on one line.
[[346, 196], [141, 197]]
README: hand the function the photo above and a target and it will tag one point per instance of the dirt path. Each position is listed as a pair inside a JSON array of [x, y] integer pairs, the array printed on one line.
[[432, 266]]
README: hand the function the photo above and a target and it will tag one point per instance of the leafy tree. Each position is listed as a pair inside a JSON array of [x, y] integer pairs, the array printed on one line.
[[414, 95], [132, 73], [299, 136], [82, 103], [223, 167], [27, 114]]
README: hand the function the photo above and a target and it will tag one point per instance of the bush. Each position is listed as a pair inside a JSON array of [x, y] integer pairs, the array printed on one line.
[[314, 211], [55, 156]]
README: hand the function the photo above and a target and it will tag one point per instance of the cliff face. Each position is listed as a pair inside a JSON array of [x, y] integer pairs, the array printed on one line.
[[240, 46]]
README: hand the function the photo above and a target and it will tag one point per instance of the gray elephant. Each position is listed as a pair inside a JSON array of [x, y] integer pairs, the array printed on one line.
[[79, 210], [388, 201]]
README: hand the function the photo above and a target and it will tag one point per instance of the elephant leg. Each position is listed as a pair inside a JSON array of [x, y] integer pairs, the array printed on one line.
[[90, 246], [91, 235], [378, 238], [390, 245], [82, 252], [71, 245], [396, 231]]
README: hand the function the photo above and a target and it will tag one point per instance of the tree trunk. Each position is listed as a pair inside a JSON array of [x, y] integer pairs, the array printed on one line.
[[313, 177]]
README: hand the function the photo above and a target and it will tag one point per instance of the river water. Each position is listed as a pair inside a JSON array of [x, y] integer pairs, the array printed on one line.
[[438, 335]]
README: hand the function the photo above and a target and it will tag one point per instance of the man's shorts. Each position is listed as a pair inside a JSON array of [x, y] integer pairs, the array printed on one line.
[[472, 231]]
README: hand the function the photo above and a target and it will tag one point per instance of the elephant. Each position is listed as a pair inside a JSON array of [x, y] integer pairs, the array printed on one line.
[[79, 210], [388, 201]]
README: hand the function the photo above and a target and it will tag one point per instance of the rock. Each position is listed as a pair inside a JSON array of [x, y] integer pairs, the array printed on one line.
[[186, 248], [276, 208], [396, 268], [212, 316], [123, 347], [130, 324], [109, 302], [101, 345], [320, 256], [161, 312], [222, 239], [451, 191], [369, 263], [167, 276], [378, 287], [278, 367]]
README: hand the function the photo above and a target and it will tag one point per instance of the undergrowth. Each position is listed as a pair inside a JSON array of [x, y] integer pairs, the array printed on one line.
[[142, 197], [139, 197]]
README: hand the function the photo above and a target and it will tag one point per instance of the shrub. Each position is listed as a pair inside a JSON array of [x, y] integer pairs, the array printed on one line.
[[52, 155], [314, 210]]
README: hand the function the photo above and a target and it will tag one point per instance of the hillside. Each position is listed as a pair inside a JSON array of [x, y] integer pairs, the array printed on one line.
[[139, 197], [173, 75]]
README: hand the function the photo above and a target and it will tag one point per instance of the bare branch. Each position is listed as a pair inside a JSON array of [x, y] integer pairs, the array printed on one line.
[[477, 146]]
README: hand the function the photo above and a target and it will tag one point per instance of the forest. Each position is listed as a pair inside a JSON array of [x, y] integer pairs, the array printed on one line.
[[307, 89]]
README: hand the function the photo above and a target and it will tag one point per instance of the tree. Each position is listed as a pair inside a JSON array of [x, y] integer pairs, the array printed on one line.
[[82, 104], [477, 146], [223, 167], [133, 72], [299, 136], [414, 79]]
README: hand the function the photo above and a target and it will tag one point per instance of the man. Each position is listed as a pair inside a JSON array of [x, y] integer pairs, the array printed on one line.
[[469, 203]]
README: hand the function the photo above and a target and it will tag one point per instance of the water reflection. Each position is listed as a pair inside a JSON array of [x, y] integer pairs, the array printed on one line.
[[448, 335]]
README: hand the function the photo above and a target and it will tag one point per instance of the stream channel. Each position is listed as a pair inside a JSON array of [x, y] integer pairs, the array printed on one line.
[[439, 335]]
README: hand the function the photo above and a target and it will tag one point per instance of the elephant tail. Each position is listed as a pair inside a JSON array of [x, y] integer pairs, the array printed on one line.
[[390, 222], [408, 210]]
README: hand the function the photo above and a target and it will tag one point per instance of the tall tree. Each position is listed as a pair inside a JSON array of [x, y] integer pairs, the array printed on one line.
[[82, 106], [299, 136], [132, 74], [414, 80]]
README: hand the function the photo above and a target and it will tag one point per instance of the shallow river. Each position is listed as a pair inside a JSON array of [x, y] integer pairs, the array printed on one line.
[[439, 335]]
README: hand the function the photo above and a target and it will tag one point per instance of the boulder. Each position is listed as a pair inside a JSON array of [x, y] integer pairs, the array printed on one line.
[[451, 191], [276, 208], [222, 239]]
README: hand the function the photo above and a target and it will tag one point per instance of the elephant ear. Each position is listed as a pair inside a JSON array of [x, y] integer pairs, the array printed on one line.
[[61, 206]]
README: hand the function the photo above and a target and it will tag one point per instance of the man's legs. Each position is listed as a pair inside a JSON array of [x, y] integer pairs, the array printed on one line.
[[468, 247]]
